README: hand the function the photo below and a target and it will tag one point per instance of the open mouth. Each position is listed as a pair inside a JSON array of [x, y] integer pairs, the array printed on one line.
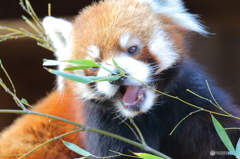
[[131, 96]]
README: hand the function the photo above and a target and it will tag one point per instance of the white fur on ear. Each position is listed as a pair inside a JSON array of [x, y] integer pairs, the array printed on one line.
[[59, 32], [176, 10]]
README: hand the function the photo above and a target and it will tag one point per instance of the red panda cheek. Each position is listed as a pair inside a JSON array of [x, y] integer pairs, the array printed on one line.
[[175, 33]]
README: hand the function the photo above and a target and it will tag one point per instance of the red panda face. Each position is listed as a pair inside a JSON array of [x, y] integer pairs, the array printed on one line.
[[139, 37], [131, 34]]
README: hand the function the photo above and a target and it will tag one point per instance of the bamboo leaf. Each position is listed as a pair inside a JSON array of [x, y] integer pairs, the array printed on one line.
[[81, 79], [222, 134], [104, 78], [77, 149], [147, 156], [47, 62], [238, 149], [72, 68], [120, 70], [90, 63], [83, 62]]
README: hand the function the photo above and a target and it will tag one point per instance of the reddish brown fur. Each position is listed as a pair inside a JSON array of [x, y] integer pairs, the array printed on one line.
[[109, 21], [31, 130], [103, 24], [175, 33], [151, 59]]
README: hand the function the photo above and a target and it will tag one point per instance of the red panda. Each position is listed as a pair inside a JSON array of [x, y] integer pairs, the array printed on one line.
[[147, 40]]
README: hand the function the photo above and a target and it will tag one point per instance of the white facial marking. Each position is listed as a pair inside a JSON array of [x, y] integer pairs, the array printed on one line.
[[162, 48], [135, 68], [84, 91], [127, 41], [123, 40], [107, 89], [93, 51], [144, 108], [123, 111], [149, 101]]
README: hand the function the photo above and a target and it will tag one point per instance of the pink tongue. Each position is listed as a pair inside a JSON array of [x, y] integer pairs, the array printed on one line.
[[131, 94]]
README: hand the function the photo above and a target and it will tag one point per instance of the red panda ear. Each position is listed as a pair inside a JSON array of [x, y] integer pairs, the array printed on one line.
[[183, 29], [59, 32], [175, 10]]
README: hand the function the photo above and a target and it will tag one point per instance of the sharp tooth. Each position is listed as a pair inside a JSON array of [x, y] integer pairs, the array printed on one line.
[[127, 104]]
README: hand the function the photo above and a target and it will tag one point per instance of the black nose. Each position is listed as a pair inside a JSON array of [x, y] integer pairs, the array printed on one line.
[[120, 81]]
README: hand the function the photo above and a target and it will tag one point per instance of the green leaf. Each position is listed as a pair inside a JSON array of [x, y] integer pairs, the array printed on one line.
[[110, 71], [77, 149], [89, 63], [24, 101], [81, 79], [72, 68], [147, 156], [83, 62], [47, 62], [238, 149], [120, 70], [104, 78], [222, 134]]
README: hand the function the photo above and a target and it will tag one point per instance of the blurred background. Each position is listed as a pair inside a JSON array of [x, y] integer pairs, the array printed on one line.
[[219, 53]]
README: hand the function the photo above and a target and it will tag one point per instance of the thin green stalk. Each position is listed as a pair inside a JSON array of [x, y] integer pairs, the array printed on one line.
[[214, 104], [48, 141], [183, 120], [28, 8], [35, 23], [18, 102], [212, 95], [120, 154], [49, 9], [86, 128], [9, 79], [27, 34], [232, 128], [138, 131], [138, 138], [31, 24], [183, 101], [44, 45], [141, 146]]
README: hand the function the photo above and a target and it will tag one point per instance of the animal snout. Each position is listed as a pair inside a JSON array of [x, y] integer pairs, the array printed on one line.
[[120, 81]]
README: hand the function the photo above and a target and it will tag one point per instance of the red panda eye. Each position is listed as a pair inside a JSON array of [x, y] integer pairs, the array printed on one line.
[[94, 68], [132, 50]]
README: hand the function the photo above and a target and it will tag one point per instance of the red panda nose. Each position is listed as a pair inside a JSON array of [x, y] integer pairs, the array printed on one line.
[[120, 81]]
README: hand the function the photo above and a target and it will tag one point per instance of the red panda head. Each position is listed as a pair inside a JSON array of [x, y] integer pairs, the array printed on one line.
[[144, 37]]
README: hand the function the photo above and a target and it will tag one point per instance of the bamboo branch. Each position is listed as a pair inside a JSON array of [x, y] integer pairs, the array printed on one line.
[[86, 128]]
